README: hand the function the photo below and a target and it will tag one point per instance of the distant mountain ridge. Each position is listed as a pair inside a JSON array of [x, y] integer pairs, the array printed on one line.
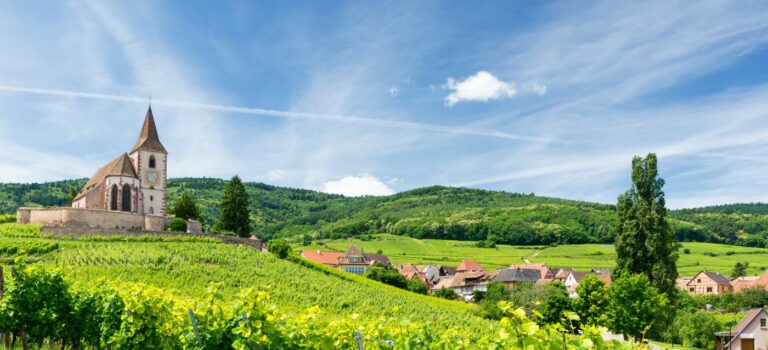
[[431, 212]]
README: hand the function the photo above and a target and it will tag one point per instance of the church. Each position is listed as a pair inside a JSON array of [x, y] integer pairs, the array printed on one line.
[[133, 182], [129, 192]]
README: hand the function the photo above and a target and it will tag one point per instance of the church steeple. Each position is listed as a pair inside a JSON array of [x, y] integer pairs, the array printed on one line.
[[148, 139]]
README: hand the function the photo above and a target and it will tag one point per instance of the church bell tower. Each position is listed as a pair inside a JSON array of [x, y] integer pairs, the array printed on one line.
[[150, 159]]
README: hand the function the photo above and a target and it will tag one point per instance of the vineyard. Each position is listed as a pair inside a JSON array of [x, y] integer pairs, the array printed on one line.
[[297, 304]]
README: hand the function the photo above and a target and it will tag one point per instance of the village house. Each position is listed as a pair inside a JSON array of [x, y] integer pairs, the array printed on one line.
[[562, 274], [708, 282], [411, 271], [469, 266], [741, 283], [512, 276], [464, 284], [435, 272], [750, 334], [353, 260], [545, 272], [574, 278], [682, 282]]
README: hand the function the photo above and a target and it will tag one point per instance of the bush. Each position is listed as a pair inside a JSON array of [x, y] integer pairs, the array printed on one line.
[[177, 225], [445, 293], [417, 286], [686, 251], [695, 329], [279, 247], [386, 274], [7, 218]]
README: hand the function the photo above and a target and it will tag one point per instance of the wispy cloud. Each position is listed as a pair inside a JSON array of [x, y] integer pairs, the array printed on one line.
[[284, 114]]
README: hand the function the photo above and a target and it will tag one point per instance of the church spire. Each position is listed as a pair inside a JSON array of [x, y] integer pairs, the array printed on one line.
[[148, 139]]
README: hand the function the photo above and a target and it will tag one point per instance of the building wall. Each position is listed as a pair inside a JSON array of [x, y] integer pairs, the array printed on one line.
[[754, 329], [120, 181], [701, 284], [153, 194], [77, 217]]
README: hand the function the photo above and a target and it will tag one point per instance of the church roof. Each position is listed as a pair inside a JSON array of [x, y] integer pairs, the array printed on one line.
[[120, 166], [148, 139]]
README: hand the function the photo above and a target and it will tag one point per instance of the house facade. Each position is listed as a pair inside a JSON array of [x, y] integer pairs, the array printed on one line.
[[750, 334], [708, 282], [353, 260]]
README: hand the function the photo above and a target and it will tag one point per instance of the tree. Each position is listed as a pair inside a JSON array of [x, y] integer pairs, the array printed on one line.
[[445, 293], [554, 301], [695, 329], [386, 274], [186, 208], [634, 306], [489, 305], [177, 225], [234, 209], [279, 247], [417, 286], [740, 270], [591, 303], [645, 243]]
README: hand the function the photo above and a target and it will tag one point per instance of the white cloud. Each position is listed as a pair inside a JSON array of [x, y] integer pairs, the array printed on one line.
[[361, 185], [393, 91], [482, 86]]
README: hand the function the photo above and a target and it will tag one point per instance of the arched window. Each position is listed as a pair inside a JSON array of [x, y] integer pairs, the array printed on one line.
[[113, 198], [126, 202], [151, 210], [152, 162]]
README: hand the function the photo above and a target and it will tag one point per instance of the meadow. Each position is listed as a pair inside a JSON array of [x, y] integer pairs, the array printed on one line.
[[583, 257]]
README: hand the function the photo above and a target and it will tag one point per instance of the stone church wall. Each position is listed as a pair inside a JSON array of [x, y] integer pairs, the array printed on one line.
[[78, 217]]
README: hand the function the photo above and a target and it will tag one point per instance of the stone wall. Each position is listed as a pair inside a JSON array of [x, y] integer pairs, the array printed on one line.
[[75, 232], [79, 217]]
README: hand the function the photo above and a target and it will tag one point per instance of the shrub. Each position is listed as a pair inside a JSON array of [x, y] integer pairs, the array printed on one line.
[[7, 218], [686, 251], [445, 293], [386, 274], [279, 247], [177, 225]]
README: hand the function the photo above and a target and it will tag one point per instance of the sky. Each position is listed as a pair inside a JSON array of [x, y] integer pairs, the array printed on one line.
[[374, 98]]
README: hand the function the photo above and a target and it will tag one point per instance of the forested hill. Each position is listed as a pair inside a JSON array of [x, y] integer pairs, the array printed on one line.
[[431, 212]]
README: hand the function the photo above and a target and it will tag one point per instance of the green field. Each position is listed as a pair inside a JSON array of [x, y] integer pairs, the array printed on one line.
[[579, 256]]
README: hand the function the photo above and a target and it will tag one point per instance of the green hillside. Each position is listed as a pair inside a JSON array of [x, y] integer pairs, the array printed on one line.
[[185, 266], [583, 257], [432, 212]]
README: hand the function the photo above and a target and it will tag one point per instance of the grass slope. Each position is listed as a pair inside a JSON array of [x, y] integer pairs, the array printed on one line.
[[185, 267], [710, 256]]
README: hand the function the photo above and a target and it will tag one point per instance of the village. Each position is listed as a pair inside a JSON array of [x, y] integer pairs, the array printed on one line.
[[469, 278]]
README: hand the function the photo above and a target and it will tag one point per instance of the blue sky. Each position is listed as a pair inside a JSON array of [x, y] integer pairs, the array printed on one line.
[[379, 97]]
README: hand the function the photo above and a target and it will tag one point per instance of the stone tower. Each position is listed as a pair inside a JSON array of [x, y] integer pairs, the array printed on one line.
[[150, 159]]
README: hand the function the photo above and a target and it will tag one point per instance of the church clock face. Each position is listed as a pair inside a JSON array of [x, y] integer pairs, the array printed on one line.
[[152, 176]]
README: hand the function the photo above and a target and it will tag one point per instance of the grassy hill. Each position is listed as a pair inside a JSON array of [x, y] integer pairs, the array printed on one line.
[[185, 266], [710, 256], [433, 212]]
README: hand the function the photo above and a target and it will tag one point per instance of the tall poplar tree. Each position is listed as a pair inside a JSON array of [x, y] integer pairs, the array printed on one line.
[[645, 243], [234, 209]]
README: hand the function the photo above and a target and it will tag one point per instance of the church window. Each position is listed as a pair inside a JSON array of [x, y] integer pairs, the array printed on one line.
[[151, 198], [152, 162], [126, 202], [151, 210], [113, 198]]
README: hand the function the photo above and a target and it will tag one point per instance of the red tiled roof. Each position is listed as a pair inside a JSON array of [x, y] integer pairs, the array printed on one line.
[[120, 166], [744, 282], [469, 265], [328, 258]]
